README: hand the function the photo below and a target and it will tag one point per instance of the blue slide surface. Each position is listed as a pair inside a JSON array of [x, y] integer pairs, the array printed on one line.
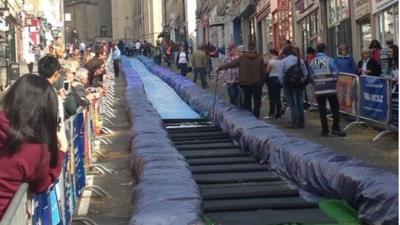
[[164, 99]]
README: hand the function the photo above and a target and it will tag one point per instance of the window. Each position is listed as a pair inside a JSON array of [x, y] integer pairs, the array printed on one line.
[[388, 24], [366, 36], [338, 10], [310, 28]]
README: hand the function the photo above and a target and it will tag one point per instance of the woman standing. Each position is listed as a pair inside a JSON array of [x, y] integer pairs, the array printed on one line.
[[274, 84], [182, 61], [32, 140], [393, 66], [375, 48], [367, 65], [344, 61]]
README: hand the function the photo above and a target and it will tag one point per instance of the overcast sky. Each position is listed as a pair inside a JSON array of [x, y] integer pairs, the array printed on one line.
[[191, 11]]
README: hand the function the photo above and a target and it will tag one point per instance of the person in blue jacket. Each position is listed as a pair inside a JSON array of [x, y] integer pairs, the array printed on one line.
[[344, 61], [323, 74]]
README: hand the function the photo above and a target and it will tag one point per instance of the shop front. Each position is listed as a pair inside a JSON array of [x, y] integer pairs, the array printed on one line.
[[263, 20], [308, 23], [362, 14], [386, 13], [282, 21], [339, 30]]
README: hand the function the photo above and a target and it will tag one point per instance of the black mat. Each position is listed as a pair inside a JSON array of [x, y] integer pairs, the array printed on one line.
[[257, 203], [249, 167], [220, 161], [191, 154], [195, 146], [271, 217], [216, 178], [248, 192]]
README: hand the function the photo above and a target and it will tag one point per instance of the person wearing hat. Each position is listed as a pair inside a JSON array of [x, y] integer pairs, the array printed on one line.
[[251, 78], [231, 76]]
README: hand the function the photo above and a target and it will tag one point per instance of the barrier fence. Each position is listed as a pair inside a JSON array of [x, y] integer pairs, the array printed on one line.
[[57, 205], [370, 100]]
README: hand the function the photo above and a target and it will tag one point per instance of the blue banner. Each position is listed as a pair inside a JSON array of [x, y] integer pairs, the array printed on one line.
[[374, 98]]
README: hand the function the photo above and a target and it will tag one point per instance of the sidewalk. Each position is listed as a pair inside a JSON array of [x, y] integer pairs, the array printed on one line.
[[358, 143], [116, 210]]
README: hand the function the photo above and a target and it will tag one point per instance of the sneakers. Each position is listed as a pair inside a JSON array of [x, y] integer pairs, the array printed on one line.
[[339, 133]]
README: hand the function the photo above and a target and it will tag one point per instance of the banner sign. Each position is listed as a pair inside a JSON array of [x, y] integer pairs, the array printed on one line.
[[346, 93], [395, 109], [374, 98]]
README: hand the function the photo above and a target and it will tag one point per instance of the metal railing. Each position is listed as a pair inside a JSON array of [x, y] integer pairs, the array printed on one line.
[[18, 212], [352, 93], [57, 205]]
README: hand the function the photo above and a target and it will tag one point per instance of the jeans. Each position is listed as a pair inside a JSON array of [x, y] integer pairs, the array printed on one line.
[[250, 92], [334, 104], [183, 67], [116, 67], [274, 95], [30, 68], [233, 92], [295, 99], [202, 73]]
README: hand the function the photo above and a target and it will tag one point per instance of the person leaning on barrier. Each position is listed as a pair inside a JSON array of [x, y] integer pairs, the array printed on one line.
[[84, 96], [323, 74], [32, 144], [50, 68], [367, 65]]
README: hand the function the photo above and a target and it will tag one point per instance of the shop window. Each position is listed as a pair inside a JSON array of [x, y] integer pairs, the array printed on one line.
[[388, 24], [366, 35], [338, 10], [310, 28]]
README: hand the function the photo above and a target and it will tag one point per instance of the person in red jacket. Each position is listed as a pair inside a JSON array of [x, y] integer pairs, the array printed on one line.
[[32, 143]]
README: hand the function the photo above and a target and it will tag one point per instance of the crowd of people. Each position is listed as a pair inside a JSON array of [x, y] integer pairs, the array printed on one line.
[[33, 139], [246, 73]]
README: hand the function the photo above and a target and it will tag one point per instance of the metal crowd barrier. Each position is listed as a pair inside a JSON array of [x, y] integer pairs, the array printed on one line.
[[57, 205], [368, 99]]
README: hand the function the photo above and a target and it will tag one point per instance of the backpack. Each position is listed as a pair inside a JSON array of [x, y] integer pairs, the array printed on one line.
[[293, 77]]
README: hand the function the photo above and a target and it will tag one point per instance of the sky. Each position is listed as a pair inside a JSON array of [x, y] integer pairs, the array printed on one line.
[[191, 16]]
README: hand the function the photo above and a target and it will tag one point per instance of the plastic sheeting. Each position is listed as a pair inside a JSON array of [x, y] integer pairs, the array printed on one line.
[[164, 99], [166, 193], [373, 192]]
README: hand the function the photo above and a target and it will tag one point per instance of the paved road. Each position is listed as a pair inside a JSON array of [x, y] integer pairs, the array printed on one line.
[[116, 211]]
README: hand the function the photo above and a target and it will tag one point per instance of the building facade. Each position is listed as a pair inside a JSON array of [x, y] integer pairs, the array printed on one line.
[[175, 20], [123, 21], [88, 20]]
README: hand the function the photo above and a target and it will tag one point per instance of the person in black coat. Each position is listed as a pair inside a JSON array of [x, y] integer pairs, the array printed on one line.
[[368, 66]]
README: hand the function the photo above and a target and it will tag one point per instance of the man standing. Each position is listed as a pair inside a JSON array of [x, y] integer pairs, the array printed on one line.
[[324, 74], [116, 54], [138, 46], [293, 65], [251, 77], [199, 63]]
